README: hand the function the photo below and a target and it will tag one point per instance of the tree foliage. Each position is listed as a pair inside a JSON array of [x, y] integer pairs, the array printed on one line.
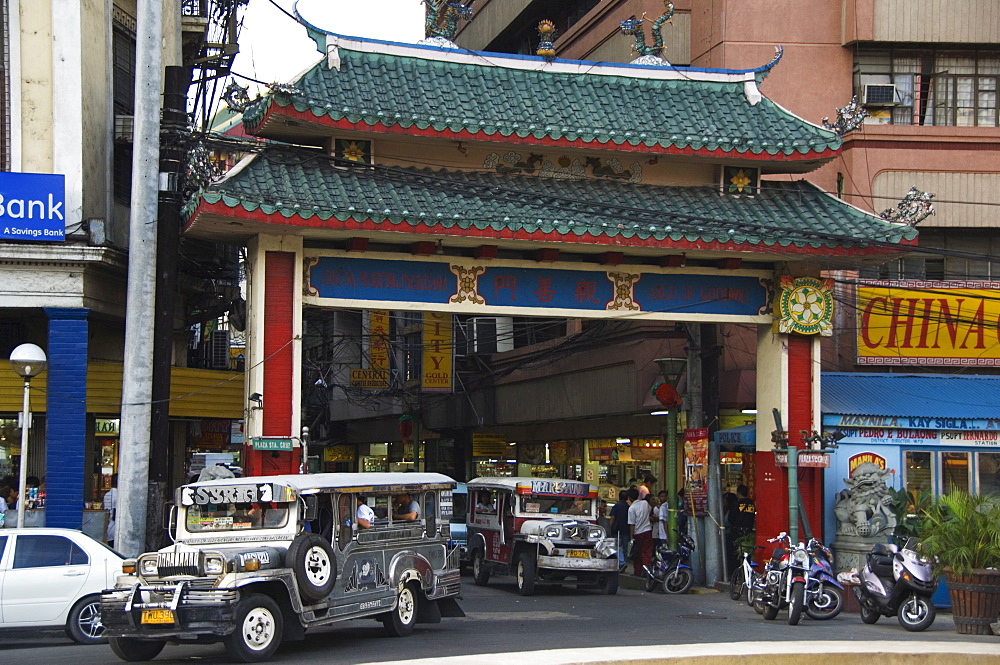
[[962, 531]]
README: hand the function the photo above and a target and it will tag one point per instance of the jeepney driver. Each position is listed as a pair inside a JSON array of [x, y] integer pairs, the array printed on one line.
[[406, 508], [365, 515]]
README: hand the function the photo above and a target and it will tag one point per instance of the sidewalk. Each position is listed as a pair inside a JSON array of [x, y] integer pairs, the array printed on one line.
[[626, 580]]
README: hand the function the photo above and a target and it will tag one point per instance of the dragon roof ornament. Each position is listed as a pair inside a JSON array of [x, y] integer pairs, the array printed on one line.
[[441, 23], [648, 55]]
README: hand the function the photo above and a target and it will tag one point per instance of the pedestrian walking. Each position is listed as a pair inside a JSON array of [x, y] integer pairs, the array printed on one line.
[[111, 506], [641, 533], [619, 525]]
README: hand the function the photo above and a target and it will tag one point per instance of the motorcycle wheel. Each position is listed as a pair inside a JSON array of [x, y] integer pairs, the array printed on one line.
[[736, 584], [826, 603], [651, 582], [679, 580], [797, 603], [758, 605], [868, 615], [770, 611], [916, 613]]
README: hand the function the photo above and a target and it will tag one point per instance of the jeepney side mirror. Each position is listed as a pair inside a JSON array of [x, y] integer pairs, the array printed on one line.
[[170, 520], [311, 507]]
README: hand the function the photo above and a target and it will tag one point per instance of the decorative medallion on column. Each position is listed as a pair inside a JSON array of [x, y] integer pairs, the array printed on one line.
[[624, 291], [468, 284], [806, 306]]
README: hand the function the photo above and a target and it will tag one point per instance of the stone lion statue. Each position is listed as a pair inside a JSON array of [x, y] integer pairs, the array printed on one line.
[[864, 508]]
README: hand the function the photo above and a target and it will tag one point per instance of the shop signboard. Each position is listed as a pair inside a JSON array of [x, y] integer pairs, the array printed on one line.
[[32, 206], [911, 322], [696, 470], [338, 454], [438, 350], [489, 445], [270, 443]]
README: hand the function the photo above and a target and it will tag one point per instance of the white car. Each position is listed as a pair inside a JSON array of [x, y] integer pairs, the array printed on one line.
[[53, 578]]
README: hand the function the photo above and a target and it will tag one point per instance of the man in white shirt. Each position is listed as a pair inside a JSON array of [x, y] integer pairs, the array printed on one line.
[[365, 515], [641, 532]]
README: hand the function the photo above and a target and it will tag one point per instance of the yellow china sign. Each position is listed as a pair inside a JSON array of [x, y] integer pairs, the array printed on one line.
[[928, 323]]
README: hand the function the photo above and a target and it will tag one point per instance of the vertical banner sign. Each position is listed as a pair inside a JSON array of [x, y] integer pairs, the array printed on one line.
[[32, 206], [438, 342], [378, 335], [696, 471]]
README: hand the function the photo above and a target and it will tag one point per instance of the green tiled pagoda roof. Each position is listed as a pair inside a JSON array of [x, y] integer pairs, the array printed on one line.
[[293, 188], [485, 96]]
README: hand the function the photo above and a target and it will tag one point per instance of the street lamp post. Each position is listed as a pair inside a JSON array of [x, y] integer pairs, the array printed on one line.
[[672, 369], [28, 361]]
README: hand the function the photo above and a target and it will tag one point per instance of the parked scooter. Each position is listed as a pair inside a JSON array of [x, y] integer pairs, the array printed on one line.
[[672, 568], [897, 583], [824, 594], [785, 581]]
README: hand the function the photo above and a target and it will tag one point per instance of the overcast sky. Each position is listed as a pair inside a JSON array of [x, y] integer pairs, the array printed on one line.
[[273, 47]]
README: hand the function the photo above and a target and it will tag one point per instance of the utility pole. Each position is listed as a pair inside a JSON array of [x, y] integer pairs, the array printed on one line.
[[133, 455], [173, 151]]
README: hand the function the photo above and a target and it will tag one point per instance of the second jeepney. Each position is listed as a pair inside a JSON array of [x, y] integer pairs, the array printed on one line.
[[543, 530], [259, 560]]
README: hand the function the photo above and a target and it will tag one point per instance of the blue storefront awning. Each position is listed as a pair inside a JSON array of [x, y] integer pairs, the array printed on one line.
[[744, 436], [911, 395]]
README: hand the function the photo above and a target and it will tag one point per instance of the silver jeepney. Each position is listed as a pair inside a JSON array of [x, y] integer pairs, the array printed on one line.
[[258, 560]]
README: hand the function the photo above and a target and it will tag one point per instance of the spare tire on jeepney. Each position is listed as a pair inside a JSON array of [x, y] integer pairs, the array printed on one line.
[[314, 564]]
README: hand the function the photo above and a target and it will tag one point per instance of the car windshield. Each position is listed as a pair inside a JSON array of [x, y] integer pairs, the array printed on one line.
[[235, 516], [556, 505]]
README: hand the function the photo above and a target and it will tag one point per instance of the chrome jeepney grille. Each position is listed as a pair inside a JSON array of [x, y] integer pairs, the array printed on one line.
[[170, 564]]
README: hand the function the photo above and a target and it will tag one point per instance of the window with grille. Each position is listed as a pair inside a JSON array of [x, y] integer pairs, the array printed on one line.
[[5, 89], [123, 57], [934, 87]]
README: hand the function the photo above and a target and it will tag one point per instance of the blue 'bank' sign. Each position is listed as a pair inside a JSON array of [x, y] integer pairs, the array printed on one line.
[[32, 206]]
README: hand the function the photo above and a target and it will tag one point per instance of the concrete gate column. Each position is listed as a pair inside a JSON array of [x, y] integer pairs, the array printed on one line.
[[274, 353], [787, 380]]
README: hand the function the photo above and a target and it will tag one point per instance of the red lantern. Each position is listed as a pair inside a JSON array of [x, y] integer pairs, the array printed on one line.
[[667, 395], [406, 426]]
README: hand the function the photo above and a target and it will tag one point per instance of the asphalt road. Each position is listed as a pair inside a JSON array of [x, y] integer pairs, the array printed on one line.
[[499, 620]]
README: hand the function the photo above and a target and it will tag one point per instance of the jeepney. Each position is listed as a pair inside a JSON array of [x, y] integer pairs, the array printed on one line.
[[257, 561], [542, 530]]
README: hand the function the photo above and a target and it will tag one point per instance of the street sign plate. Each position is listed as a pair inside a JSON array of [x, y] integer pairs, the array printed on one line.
[[262, 443], [814, 460]]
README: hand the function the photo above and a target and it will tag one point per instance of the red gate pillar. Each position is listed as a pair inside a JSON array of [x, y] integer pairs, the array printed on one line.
[[274, 356], [787, 380]]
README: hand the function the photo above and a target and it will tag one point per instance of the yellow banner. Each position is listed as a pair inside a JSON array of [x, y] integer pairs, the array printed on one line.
[[928, 323], [437, 355], [378, 345]]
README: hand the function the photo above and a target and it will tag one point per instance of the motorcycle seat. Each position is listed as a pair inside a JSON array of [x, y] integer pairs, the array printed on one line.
[[881, 565], [778, 554]]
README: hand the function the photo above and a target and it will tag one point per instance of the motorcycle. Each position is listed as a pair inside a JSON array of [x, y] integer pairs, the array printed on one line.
[[824, 594], [897, 583], [671, 568], [785, 581]]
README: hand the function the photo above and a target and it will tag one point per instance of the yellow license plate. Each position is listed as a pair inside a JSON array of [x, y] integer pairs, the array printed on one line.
[[157, 616], [578, 554]]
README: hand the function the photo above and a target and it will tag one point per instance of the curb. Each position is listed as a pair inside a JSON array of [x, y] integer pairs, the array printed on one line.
[[630, 581]]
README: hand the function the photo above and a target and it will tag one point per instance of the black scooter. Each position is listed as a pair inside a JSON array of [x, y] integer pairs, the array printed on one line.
[[897, 583]]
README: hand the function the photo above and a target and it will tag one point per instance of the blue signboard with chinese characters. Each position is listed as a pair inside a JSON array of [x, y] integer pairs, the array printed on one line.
[[461, 283], [32, 206]]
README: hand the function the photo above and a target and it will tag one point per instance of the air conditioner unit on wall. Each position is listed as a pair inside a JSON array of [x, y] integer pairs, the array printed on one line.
[[490, 334], [881, 94]]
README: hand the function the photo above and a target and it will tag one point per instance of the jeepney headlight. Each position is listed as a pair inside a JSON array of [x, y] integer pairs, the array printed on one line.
[[147, 567], [595, 533], [214, 565], [553, 531]]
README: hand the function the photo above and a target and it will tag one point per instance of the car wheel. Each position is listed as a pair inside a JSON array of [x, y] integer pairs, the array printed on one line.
[[312, 560], [259, 627], [609, 583], [84, 622], [526, 574], [132, 650], [480, 574], [400, 622]]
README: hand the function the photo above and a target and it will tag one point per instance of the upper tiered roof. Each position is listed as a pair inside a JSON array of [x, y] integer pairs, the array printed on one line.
[[385, 87]]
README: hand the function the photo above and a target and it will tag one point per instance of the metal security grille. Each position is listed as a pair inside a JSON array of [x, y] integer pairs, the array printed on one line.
[[123, 59]]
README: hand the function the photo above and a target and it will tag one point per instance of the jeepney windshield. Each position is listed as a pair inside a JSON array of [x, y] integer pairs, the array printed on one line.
[[235, 516], [556, 505]]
